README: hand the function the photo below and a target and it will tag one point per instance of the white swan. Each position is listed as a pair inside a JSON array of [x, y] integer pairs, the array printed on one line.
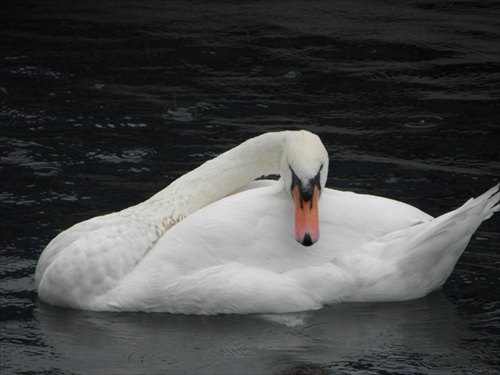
[[213, 242]]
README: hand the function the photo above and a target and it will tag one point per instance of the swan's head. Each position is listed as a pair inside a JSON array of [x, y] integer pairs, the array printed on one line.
[[304, 172]]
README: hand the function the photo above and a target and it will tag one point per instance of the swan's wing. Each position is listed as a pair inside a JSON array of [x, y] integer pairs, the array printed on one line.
[[91, 258], [413, 261], [366, 216], [255, 227], [240, 254]]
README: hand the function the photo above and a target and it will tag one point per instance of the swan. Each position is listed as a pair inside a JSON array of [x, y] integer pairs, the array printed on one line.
[[216, 241]]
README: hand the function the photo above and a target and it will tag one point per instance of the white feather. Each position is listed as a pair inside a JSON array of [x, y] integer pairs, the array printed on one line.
[[211, 243]]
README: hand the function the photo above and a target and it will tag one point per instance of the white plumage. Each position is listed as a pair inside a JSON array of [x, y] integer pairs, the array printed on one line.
[[215, 242]]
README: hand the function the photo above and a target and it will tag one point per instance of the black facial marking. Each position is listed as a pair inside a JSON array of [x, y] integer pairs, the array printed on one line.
[[306, 192], [295, 180]]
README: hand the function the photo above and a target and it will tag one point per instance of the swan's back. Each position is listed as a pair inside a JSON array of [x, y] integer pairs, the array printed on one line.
[[236, 257]]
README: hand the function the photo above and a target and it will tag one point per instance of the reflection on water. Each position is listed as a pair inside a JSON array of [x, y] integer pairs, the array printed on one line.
[[404, 337], [103, 104]]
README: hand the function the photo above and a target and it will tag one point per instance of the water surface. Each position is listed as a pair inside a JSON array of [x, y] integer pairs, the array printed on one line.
[[105, 103]]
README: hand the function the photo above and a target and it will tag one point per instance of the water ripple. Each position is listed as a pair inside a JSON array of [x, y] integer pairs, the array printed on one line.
[[27, 154], [422, 122], [126, 156]]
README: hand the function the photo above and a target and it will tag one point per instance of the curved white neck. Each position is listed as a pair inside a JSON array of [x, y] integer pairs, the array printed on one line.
[[216, 179]]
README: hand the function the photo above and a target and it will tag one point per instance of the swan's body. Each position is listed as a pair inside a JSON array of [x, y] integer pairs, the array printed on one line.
[[213, 243]]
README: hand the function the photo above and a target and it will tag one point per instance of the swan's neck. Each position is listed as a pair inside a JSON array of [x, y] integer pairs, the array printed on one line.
[[216, 179]]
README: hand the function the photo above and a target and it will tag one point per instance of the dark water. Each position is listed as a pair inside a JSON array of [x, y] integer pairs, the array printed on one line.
[[105, 103]]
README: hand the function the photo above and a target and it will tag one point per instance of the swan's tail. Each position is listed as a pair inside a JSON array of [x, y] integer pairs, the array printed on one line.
[[430, 250], [469, 216]]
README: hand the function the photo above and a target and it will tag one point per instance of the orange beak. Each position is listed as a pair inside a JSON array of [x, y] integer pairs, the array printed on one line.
[[306, 217]]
